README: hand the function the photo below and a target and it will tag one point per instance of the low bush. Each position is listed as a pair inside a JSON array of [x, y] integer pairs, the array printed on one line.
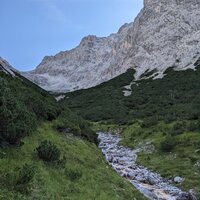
[[47, 151], [168, 144], [178, 128], [22, 106], [192, 126], [24, 178], [149, 122], [16, 121], [64, 126], [73, 174], [26, 174]]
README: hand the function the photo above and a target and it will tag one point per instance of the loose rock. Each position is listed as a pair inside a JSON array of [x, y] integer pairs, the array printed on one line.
[[151, 184]]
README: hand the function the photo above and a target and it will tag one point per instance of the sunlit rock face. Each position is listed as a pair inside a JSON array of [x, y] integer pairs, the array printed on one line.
[[165, 33]]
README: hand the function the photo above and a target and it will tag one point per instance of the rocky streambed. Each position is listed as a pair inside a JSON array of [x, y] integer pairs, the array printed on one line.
[[123, 161]]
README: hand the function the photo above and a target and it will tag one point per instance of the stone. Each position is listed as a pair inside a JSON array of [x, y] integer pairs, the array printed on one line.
[[192, 195], [178, 179], [186, 196], [131, 175], [109, 158], [152, 180]]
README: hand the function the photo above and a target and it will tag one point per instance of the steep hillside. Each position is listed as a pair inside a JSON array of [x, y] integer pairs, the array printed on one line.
[[165, 33], [23, 105]]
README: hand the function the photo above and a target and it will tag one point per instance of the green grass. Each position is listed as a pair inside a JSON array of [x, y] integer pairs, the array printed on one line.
[[97, 181], [180, 161], [103, 126]]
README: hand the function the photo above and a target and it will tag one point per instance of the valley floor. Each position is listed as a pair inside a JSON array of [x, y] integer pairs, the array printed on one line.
[[83, 173]]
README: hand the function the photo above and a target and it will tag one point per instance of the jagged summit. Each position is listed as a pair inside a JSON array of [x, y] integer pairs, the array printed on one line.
[[165, 33], [150, 3]]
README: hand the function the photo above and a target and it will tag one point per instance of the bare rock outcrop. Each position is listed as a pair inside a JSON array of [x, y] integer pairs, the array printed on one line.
[[7, 68]]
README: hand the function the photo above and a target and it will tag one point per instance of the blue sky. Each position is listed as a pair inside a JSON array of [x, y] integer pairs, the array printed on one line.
[[31, 29]]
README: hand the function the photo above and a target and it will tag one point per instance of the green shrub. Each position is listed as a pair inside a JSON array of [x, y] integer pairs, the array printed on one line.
[[22, 106], [73, 174], [16, 121], [178, 128], [26, 174], [68, 122], [64, 126], [24, 178], [192, 126], [149, 122], [47, 151], [168, 144]]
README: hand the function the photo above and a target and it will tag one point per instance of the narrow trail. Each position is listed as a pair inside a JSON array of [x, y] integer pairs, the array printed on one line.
[[123, 161]]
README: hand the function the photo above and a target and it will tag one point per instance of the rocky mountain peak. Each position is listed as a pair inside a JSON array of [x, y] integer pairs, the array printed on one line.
[[88, 40], [166, 33], [162, 5]]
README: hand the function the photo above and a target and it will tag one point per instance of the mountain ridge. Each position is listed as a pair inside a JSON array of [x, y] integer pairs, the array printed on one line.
[[7, 68], [164, 34]]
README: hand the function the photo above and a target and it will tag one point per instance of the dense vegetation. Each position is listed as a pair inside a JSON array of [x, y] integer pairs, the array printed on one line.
[[103, 102], [21, 107], [24, 105], [176, 96], [81, 173]]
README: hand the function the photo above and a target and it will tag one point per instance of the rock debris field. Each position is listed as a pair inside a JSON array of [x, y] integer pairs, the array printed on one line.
[[123, 161]]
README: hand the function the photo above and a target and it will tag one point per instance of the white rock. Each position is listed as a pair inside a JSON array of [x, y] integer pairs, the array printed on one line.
[[60, 97], [178, 179], [6, 67]]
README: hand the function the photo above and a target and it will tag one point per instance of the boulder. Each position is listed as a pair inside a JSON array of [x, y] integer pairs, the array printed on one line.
[[178, 179]]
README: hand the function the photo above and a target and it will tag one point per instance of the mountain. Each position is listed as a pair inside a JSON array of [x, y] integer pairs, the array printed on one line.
[[165, 33], [7, 68]]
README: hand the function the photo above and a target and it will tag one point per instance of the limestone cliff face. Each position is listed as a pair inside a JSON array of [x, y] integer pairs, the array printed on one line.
[[165, 33]]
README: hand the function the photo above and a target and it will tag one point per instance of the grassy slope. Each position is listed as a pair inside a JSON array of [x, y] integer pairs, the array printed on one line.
[[98, 181], [180, 161], [24, 105]]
